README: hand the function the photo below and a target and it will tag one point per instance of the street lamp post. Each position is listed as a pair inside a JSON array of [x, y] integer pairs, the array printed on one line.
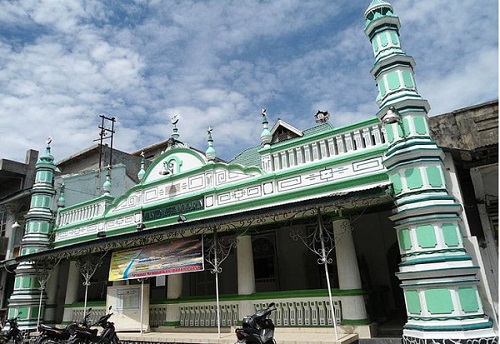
[[215, 255]]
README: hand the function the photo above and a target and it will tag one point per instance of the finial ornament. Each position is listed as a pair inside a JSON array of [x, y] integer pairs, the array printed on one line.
[[175, 132], [141, 172], [49, 140], [210, 153], [61, 202], [265, 136]]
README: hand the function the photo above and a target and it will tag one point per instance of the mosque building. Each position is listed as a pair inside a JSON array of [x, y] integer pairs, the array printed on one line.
[[342, 227]]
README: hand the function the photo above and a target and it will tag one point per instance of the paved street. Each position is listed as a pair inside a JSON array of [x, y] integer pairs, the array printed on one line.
[[282, 336]]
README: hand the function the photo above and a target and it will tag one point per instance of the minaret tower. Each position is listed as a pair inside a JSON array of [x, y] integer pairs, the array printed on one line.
[[25, 299], [437, 274]]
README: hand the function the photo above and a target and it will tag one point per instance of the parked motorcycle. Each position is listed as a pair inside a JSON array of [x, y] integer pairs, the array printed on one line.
[[55, 335], [87, 335], [13, 333], [257, 328]]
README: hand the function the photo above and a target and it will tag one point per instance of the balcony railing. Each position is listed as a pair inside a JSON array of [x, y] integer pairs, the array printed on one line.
[[353, 140], [82, 212]]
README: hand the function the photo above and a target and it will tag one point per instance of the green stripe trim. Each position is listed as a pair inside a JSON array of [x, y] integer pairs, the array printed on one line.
[[440, 270], [355, 322], [82, 304], [454, 282], [436, 260], [266, 296], [426, 197], [468, 327], [415, 254]]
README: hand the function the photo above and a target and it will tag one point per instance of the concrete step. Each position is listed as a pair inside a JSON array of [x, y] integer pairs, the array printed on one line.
[[381, 340]]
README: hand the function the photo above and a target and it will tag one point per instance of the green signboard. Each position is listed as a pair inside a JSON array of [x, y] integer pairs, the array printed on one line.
[[172, 210]]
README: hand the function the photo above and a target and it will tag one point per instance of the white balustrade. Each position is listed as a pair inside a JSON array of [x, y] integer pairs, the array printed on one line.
[[80, 213], [289, 312], [338, 144], [95, 314]]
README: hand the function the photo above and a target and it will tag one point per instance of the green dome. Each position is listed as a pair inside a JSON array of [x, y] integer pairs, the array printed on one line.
[[378, 9]]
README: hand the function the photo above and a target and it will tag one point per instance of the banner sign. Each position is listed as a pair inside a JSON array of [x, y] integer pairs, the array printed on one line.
[[172, 210], [179, 256]]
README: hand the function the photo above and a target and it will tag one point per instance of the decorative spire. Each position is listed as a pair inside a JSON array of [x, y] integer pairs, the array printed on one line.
[[107, 184], [175, 131], [61, 202], [393, 68], [210, 153], [36, 238], [437, 273], [47, 158], [266, 136], [142, 172]]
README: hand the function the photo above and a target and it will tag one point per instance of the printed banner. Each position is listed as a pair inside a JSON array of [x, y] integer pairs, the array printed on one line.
[[179, 256]]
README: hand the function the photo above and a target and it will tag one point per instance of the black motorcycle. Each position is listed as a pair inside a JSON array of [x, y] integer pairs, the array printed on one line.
[[257, 328], [87, 335], [54, 335], [13, 333]]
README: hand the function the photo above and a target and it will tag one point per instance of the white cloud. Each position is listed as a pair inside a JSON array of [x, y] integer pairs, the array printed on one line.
[[218, 63]]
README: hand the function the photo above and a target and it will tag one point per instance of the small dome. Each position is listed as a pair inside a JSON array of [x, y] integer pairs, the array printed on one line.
[[378, 6]]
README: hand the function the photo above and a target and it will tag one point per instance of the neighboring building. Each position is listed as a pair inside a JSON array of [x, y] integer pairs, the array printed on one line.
[[384, 197]]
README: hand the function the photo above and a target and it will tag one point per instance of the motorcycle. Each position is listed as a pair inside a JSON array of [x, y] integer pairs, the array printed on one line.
[[257, 328], [52, 335], [12, 333], [87, 335]]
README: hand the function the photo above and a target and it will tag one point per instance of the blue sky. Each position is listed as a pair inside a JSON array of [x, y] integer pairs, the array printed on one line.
[[218, 63]]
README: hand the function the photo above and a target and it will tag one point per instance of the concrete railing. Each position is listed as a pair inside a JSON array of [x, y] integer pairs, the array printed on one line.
[[358, 139], [289, 312], [81, 212], [75, 314]]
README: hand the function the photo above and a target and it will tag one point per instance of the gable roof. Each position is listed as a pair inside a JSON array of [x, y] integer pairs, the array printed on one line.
[[251, 156]]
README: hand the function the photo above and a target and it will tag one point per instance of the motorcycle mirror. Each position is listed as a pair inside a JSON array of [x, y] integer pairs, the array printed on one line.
[[271, 304], [110, 308]]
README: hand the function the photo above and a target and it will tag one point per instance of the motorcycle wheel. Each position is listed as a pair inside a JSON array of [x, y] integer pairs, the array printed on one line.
[[75, 340], [19, 339]]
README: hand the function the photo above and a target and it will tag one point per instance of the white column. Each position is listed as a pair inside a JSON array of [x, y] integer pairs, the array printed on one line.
[[353, 305], [246, 274], [51, 289], [174, 291], [73, 279]]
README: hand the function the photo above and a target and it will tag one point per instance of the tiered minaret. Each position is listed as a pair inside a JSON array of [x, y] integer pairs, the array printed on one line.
[[438, 276], [25, 298]]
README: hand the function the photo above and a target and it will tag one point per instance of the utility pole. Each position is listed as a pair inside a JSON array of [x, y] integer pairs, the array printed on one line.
[[105, 133]]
